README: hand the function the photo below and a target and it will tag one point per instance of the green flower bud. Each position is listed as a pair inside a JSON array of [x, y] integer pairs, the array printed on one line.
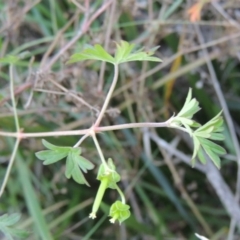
[[108, 180], [119, 211]]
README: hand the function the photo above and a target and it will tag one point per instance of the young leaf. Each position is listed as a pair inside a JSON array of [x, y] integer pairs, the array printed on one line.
[[82, 162], [201, 156], [73, 165], [51, 156], [123, 50], [214, 157], [72, 170], [214, 124], [217, 136], [123, 54], [196, 145], [190, 107], [92, 53], [78, 176], [213, 146], [54, 147], [69, 166], [210, 130]]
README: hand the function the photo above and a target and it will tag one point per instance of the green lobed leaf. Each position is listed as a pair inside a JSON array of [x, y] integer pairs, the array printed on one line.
[[190, 107], [201, 155], [72, 167], [123, 53], [213, 146], [123, 50], [92, 53], [69, 166], [54, 147], [83, 163], [215, 123], [195, 124], [202, 134], [51, 156], [196, 145], [217, 136], [78, 176], [214, 157]]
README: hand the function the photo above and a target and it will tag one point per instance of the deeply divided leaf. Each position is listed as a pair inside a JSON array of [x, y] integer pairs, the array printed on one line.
[[92, 53], [74, 164], [69, 166], [78, 176], [213, 156], [54, 147], [51, 156], [213, 146], [124, 53]]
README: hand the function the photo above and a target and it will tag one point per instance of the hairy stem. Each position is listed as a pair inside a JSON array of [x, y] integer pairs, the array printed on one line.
[[87, 131]]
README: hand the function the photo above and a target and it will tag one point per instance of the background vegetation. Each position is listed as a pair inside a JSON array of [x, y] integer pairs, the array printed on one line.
[[169, 200]]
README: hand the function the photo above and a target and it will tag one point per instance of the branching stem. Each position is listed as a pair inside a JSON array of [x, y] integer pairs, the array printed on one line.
[[18, 133], [87, 131]]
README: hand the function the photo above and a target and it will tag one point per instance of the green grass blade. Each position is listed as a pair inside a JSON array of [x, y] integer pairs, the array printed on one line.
[[32, 202]]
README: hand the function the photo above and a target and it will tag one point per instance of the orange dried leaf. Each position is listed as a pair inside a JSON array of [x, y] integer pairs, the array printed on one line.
[[194, 12]]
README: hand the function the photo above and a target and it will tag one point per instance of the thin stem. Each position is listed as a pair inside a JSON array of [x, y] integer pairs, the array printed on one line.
[[121, 194], [109, 21], [11, 161], [81, 140], [182, 129], [45, 134], [109, 95], [133, 125], [99, 151], [13, 98], [87, 131]]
